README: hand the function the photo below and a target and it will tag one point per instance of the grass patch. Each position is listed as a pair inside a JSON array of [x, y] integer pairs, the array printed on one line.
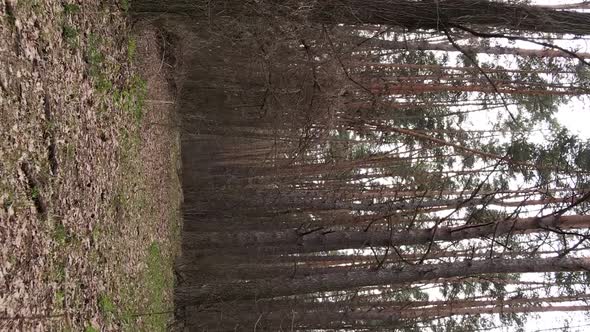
[[106, 305], [130, 144], [94, 255], [35, 193], [103, 84], [94, 56], [90, 328], [71, 9], [96, 63], [125, 5], [70, 152], [7, 200], [29, 5], [59, 299], [158, 280], [59, 273], [131, 49], [70, 35], [96, 234], [60, 235], [146, 307], [132, 98]]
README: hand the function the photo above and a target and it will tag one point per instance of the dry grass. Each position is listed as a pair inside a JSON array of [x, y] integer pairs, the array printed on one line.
[[89, 192]]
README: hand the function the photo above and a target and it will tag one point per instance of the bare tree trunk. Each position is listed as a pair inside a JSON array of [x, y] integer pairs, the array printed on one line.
[[294, 241], [439, 15], [260, 289], [385, 45]]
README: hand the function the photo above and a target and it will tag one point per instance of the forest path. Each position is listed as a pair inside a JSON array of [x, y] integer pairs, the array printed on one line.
[[89, 158]]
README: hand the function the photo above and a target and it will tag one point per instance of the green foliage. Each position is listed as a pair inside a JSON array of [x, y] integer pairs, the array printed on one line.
[[469, 161], [467, 59], [458, 324], [59, 273], [571, 283], [583, 73], [521, 151], [582, 156], [539, 108], [131, 97], [156, 267], [513, 319], [476, 215], [360, 151]]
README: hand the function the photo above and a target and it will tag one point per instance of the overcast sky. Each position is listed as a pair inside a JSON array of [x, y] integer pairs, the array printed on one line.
[[575, 115]]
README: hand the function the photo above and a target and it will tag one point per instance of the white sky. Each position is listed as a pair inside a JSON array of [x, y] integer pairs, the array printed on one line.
[[575, 116]]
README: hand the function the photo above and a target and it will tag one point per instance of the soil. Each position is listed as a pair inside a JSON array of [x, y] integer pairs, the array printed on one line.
[[89, 160]]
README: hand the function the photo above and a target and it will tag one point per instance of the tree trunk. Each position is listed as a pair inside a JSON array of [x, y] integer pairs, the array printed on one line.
[[292, 241], [270, 288], [437, 15], [383, 44]]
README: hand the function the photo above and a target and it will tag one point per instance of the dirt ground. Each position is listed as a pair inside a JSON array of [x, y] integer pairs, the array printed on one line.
[[89, 160]]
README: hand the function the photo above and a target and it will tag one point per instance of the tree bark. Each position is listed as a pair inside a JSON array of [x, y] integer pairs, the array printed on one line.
[[383, 44], [293, 241], [270, 288], [438, 15]]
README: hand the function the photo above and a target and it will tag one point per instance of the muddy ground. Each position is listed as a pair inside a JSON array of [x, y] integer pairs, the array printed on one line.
[[89, 160]]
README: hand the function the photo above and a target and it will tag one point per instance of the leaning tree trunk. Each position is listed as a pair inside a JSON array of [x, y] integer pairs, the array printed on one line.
[[386, 45], [426, 14], [270, 288], [294, 241], [441, 14]]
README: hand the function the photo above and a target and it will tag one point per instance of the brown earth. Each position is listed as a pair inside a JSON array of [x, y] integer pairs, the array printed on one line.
[[89, 153]]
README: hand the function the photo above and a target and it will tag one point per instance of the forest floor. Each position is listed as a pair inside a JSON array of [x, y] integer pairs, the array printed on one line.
[[89, 159]]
